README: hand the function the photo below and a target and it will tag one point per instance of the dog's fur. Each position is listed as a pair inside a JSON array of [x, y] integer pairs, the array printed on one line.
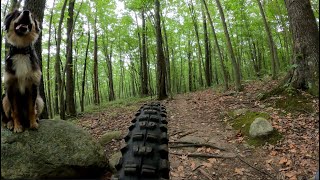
[[22, 102]]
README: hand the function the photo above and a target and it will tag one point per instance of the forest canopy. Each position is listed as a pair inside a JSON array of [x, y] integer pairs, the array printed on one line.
[[113, 49]]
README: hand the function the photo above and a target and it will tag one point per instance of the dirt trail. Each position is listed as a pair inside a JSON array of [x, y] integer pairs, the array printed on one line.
[[202, 117]]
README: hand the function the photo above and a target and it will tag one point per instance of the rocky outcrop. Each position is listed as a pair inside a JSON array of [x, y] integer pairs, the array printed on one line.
[[58, 149]]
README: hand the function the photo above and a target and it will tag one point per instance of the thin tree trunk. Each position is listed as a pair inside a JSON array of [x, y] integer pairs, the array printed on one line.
[[71, 108], [208, 74], [167, 56], [161, 63], [193, 15], [49, 103], [270, 41], [190, 66], [230, 49], [144, 82], [222, 66], [108, 56], [58, 71], [85, 70], [95, 65]]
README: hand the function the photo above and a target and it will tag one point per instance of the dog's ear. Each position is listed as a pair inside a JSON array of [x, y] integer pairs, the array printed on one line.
[[8, 19], [37, 26]]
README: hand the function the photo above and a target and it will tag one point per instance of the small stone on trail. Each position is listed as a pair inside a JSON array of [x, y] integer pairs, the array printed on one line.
[[260, 127], [108, 136]]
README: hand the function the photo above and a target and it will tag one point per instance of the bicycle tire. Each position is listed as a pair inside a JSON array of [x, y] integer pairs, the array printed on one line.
[[145, 155]]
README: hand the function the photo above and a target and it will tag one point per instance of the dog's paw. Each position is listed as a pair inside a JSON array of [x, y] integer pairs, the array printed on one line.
[[18, 129], [34, 125], [10, 125]]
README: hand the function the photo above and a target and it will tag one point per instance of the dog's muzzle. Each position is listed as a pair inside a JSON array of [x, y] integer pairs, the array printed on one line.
[[23, 24]]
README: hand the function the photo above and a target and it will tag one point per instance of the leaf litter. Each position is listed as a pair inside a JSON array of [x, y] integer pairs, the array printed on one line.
[[204, 114]]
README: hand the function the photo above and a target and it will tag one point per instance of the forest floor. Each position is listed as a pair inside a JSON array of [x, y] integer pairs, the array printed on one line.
[[202, 116]]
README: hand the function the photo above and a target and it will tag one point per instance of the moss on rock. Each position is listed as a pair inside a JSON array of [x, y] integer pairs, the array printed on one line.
[[243, 123]]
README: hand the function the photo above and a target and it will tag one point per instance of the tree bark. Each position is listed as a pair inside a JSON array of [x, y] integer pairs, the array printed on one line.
[[85, 70], [305, 74], [58, 78], [161, 63], [167, 57], [108, 56], [196, 29], [222, 66], [144, 82], [208, 73], [37, 8], [230, 49], [190, 66], [70, 103], [272, 47], [95, 66], [49, 102]]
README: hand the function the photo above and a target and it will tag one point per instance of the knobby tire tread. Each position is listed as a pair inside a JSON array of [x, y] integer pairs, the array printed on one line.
[[145, 155]]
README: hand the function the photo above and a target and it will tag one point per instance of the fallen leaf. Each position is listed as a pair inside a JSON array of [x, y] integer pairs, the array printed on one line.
[[283, 160], [212, 160], [288, 163], [291, 174], [239, 170], [193, 165], [269, 161], [208, 165], [273, 153]]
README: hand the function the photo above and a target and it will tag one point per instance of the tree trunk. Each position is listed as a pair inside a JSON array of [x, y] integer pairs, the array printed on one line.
[[161, 63], [305, 74], [222, 66], [108, 56], [37, 7], [190, 66], [144, 82], [71, 108], [196, 28], [85, 70], [230, 49], [208, 74], [49, 102], [58, 78], [95, 66], [271, 43], [167, 57]]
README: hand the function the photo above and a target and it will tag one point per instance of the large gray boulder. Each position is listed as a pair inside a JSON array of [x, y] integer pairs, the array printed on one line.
[[260, 127], [58, 149]]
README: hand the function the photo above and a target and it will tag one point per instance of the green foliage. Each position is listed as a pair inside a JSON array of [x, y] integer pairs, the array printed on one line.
[[119, 30]]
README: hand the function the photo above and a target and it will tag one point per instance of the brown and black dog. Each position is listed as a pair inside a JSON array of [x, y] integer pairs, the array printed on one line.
[[21, 103]]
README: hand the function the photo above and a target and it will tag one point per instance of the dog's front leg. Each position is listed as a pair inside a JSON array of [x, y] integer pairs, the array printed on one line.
[[17, 127], [6, 113], [32, 107], [14, 101]]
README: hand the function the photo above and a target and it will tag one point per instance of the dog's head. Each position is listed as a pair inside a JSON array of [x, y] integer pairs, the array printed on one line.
[[22, 28]]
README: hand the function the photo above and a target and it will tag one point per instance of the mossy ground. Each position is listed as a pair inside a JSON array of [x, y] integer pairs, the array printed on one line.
[[243, 123], [290, 100], [295, 103]]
